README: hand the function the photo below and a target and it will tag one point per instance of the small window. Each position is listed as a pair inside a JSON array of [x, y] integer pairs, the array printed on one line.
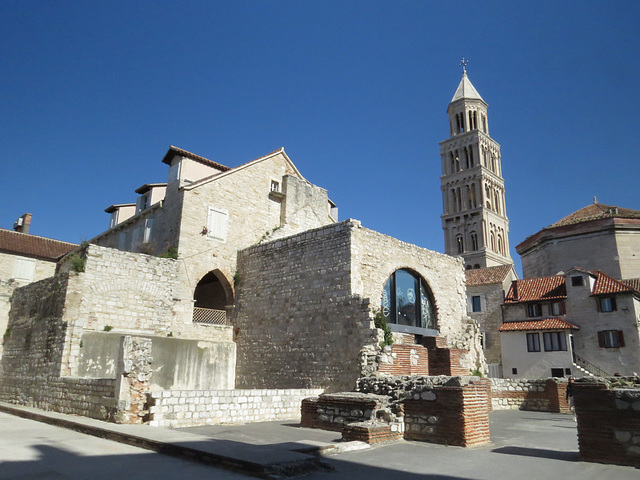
[[577, 281], [122, 241], [514, 371], [610, 339], [533, 342], [554, 341], [275, 186], [567, 371], [476, 303], [113, 221], [534, 310], [608, 304], [558, 308], [147, 230], [460, 244], [557, 372], [143, 202]]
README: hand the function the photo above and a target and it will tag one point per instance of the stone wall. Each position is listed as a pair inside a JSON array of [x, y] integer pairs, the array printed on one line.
[[196, 407], [608, 415], [297, 323], [544, 395]]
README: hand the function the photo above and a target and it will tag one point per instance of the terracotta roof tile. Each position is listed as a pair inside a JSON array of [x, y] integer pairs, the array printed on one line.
[[33, 246], [485, 276], [540, 288], [633, 283], [607, 285], [596, 211], [544, 324]]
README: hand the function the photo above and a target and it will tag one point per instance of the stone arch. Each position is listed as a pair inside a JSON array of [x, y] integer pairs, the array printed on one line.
[[213, 290]]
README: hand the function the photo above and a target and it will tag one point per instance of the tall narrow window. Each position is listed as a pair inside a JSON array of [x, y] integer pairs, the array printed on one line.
[[460, 244], [533, 342], [148, 225], [217, 224], [474, 241]]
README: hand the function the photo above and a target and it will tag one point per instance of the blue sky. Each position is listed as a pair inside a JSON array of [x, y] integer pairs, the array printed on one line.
[[93, 94]]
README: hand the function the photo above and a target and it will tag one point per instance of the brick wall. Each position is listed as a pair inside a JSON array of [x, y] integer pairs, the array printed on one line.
[[608, 415], [545, 395], [196, 407]]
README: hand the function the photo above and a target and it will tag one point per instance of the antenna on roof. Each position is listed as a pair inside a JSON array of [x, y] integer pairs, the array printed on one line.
[[595, 200]]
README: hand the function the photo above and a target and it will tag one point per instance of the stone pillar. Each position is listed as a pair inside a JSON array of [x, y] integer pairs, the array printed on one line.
[[133, 375]]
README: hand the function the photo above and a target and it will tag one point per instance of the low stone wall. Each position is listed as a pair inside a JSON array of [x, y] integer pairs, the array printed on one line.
[[445, 410], [544, 395], [88, 397], [608, 415], [188, 408]]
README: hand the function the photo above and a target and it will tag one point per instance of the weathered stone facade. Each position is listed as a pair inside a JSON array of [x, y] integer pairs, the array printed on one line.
[[544, 395], [303, 311]]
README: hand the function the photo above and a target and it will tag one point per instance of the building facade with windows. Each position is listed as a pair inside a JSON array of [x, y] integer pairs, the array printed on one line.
[[581, 321]]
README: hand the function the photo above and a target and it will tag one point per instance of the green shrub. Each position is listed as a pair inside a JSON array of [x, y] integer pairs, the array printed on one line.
[[170, 252], [381, 322]]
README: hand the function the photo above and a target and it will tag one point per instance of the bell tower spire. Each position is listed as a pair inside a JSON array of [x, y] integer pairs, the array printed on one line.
[[474, 217]]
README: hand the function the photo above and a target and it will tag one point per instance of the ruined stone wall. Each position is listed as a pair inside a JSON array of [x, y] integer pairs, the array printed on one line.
[[32, 359], [544, 395], [376, 256], [297, 323], [187, 408], [608, 416]]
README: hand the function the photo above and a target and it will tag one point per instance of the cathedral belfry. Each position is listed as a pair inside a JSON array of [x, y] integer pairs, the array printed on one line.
[[474, 216]]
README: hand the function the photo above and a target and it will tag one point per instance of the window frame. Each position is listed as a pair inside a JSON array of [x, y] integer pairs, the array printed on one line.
[[533, 342], [554, 341], [476, 303], [610, 339], [610, 302], [532, 309], [562, 308]]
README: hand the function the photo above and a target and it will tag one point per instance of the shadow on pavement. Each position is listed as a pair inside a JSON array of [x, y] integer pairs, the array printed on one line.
[[539, 453]]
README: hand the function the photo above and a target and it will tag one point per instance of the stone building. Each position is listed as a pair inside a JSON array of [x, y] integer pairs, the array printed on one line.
[[474, 218], [260, 287], [25, 258], [580, 322], [596, 237], [486, 291]]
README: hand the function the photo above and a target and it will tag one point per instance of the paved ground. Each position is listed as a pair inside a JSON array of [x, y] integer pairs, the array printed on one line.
[[525, 445]]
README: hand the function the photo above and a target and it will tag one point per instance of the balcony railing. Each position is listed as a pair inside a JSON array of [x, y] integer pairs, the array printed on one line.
[[209, 316]]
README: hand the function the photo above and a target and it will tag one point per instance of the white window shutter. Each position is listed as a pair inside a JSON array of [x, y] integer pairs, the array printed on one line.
[[217, 225], [24, 269]]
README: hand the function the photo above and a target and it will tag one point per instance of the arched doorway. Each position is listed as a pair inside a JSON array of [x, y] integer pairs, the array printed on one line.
[[407, 304], [211, 296]]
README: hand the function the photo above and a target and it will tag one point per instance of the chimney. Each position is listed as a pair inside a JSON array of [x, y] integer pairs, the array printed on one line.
[[23, 223]]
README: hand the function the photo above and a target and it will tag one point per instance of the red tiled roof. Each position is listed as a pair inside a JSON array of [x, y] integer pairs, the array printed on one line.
[[633, 283], [544, 324], [596, 211], [486, 276], [606, 285], [179, 151], [540, 288], [33, 246]]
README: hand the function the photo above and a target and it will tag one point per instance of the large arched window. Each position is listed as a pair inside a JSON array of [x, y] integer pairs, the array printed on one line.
[[407, 303], [210, 299]]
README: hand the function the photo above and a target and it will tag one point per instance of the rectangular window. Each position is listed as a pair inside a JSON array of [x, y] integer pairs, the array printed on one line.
[[608, 304], [122, 241], [558, 308], [610, 339], [534, 310], [476, 303], [577, 281], [533, 342], [114, 219], [554, 341], [275, 186], [148, 225], [514, 371], [217, 224], [24, 269]]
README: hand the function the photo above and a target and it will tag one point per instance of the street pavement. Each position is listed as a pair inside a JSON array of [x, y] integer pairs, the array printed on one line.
[[524, 445]]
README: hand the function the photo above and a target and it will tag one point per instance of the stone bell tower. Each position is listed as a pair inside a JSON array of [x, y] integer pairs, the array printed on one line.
[[474, 217]]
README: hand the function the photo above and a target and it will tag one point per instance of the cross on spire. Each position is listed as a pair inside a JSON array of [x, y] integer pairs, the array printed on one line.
[[464, 63]]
